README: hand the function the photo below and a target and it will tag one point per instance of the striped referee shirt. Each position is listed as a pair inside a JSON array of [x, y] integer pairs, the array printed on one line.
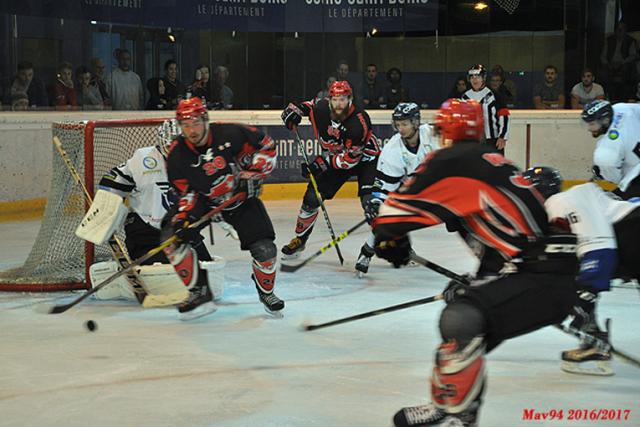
[[494, 110]]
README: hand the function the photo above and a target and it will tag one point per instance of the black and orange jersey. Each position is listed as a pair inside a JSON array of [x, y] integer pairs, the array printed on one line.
[[347, 142], [210, 172], [471, 185]]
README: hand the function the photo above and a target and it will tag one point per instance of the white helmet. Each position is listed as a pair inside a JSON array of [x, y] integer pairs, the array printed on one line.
[[167, 132]]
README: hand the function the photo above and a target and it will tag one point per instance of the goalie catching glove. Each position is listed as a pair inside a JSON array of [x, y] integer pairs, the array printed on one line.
[[103, 219]]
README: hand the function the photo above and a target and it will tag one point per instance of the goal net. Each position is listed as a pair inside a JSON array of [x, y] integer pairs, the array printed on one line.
[[58, 259]]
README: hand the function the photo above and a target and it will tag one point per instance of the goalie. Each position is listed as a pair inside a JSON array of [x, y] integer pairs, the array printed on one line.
[[142, 181]]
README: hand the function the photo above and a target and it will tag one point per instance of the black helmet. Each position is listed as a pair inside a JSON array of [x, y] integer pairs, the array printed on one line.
[[599, 112], [546, 180], [477, 70], [406, 111]]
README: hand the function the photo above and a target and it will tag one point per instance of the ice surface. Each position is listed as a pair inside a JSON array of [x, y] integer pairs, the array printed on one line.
[[238, 367]]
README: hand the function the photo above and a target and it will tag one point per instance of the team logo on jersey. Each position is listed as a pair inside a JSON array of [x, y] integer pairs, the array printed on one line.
[[613, 134], [149, 162]]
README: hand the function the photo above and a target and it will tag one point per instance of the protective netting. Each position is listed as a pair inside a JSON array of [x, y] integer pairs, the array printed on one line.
[[58, 258], [509, 6]]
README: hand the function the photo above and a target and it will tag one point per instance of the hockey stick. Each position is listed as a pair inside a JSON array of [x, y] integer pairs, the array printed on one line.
[[291, 268], [115, 244], [590, 339], [374, 312], [318, 195], [152, 252]]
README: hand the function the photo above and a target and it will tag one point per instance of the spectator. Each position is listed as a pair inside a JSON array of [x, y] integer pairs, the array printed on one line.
[[395, 92], [618, 59], [63, 92], [225, 94], [496, 84], [174, 89], [459, 88], [24, 82], [549, 95], [158, 99], [324, 93], [201, 86], [89, 96], [371, 91], [508, 85], [342, 74], [636, 97], [97, 79], [19, 102], [123, 85], [586, 91]]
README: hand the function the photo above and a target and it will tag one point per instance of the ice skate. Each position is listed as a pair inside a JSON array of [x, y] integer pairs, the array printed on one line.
[[430, 415], [272, 304], [587, 359], [200, 303], [364, 259], [294, 248]]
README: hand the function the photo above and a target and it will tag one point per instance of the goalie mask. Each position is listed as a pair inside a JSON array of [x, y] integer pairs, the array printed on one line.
[[597, 115], [546, 180], [167, 132]]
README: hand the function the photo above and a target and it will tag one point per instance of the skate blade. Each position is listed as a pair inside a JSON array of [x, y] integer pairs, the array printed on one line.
[[592, 367], [274, 314], [291, 257], [359, 275], [200, 311]]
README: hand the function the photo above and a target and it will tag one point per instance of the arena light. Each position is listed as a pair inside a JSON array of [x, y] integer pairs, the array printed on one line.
[[374, 31], [480, 6], [170, 35]]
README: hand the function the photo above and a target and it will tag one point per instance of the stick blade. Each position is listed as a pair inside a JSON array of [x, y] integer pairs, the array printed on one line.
[[50, 309], [288, 268]]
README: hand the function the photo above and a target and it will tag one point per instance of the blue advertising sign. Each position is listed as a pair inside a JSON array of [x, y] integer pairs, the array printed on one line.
[[244, 15], [290, 156]]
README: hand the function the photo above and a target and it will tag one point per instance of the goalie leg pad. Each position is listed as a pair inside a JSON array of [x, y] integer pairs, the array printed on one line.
[[458, 376], [185, 261]]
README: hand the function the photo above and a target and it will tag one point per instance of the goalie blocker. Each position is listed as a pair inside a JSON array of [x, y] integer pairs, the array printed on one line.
[[159, 279]]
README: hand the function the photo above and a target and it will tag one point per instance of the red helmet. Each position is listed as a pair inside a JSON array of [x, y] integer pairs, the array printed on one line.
[[340, 88], [191, 108], [460, 119]]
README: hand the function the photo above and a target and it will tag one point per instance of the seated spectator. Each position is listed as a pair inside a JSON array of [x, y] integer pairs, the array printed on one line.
[[89, 96], [549, 95], [618, 59], [174, 88], [496, 84], [342, 74], [201, 87], [123, 85], [324, 93], [395, 92], [157, 95], [509, 85], [19, 102], [372, 90], [97, 79], [636, 97], [63, 92], [25, 83], [459, 88], [225, 94], [585, 91]]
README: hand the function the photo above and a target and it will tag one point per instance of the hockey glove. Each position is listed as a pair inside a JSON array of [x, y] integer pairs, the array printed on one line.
[[371, 208], [396, 251], [291, 116], [317, 167], [252, 187]]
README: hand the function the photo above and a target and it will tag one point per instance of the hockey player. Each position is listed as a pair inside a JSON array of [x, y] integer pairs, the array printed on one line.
[[608, 231], [207, 165], [494, 109], [349, 148], [469, 182], [399, 159], [617, 154]]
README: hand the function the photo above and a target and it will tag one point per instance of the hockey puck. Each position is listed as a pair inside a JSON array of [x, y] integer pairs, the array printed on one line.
[[91, 325]]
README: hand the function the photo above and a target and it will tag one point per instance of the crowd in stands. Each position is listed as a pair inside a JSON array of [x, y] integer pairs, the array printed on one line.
[[89, 88]]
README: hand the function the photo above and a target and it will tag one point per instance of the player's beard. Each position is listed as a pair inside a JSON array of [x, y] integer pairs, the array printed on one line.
[[339, 115]]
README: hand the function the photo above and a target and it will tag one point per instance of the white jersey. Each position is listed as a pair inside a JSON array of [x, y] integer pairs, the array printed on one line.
[[617, 152], [396, 162], [143, 179], [591, 215]]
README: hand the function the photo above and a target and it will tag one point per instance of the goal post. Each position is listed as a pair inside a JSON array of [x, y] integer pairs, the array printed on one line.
[[59, 260]]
